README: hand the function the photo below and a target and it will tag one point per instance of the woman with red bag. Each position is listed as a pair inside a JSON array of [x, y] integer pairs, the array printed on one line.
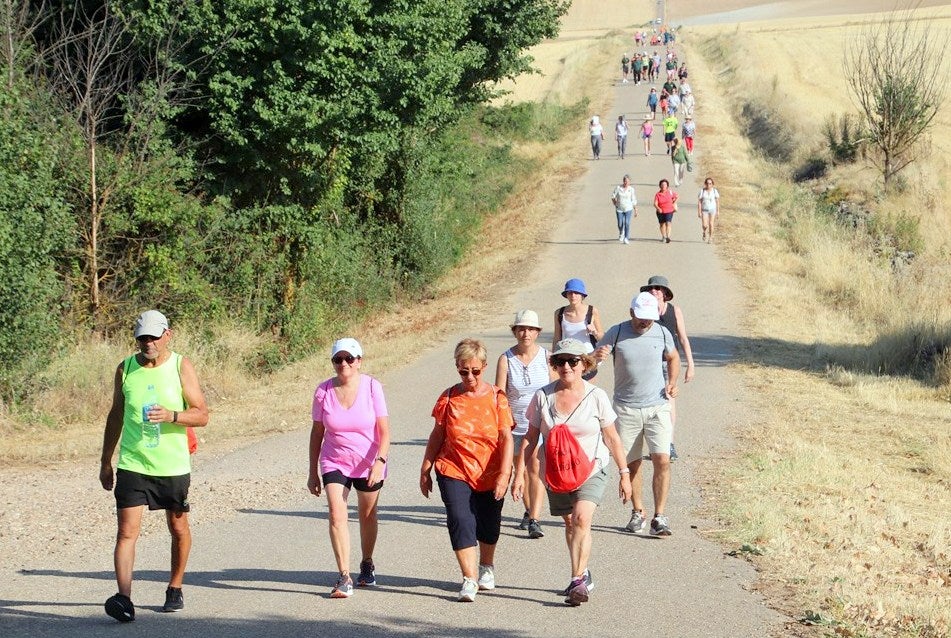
[[585, 411]]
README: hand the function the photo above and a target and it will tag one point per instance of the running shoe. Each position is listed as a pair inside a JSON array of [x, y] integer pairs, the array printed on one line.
[[660, 526], [673, 452], [535, 529], [121, 608], [367, 577], [174, 600], [577, 593], [588, 582], [637, 523], [343, 588], [523, 524], [469, 590], [486, 577]]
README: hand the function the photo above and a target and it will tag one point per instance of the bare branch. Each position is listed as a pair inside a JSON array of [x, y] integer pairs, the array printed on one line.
[[894, 70]]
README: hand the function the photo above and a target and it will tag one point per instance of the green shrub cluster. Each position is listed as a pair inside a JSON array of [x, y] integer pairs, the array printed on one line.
[[290, 165]]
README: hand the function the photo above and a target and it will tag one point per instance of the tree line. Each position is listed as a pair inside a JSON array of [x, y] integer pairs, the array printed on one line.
[[266, 161]]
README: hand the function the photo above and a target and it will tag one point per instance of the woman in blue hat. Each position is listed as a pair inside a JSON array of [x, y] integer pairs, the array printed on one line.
[[578, 320]]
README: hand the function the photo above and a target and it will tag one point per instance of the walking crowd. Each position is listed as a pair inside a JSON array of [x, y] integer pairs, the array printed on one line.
[[543, 431], [677, 106]]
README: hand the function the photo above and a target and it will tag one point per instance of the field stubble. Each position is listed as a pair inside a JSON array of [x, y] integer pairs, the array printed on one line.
[[844, 480]]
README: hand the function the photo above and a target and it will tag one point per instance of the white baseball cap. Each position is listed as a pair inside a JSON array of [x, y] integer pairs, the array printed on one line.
[[644, 306], [348, 345]]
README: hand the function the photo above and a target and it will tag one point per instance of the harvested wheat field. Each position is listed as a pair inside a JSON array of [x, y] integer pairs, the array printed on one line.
[[841, 490]]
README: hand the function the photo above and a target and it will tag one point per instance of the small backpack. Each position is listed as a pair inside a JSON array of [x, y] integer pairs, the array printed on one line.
[[566, 464]]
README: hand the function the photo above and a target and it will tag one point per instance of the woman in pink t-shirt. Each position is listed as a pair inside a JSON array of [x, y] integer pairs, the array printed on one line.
[[349, 444]]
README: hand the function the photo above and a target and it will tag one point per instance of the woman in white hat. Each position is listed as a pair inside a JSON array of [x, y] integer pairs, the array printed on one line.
[[520, 371], [349, 443], [587, 413]]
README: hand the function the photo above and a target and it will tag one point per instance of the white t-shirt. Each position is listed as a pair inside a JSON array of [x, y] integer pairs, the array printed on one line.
[[620, 129], [592, 415], [708, 200]]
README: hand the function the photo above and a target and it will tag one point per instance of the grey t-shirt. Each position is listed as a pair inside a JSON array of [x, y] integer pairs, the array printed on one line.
[[638, 363]]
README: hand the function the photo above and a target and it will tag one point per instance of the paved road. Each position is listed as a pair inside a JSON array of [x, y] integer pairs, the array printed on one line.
[[267, 569]]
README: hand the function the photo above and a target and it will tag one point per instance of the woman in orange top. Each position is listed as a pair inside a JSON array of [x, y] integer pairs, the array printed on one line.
[[471, 448]]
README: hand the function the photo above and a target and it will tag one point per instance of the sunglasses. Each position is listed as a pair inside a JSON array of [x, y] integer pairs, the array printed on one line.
[[147, 338], [465, 372], [340, 358], [557, 362]]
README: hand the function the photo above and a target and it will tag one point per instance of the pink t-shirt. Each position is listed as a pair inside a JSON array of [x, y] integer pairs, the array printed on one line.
[[350, 443]]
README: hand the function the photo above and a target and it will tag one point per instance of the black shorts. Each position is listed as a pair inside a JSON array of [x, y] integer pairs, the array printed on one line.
[[158, 492], [669, 137], [359, 483], [665, 218]]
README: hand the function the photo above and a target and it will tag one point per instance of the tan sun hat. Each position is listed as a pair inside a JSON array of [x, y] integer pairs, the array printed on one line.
[[527, 318]]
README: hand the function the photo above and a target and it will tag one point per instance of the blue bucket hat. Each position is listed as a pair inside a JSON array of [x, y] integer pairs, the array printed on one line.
[[574, 285]]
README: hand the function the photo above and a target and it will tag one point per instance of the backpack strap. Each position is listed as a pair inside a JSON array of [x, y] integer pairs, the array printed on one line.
[[587, 322]]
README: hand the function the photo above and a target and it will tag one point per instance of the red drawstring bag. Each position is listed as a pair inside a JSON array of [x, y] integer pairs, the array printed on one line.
[[566, 464]]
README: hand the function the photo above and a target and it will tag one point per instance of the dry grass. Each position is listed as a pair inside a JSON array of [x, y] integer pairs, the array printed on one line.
[[844, 481]]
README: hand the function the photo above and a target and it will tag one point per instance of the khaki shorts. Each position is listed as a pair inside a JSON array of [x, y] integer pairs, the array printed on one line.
[[637, 425], [591, 490]]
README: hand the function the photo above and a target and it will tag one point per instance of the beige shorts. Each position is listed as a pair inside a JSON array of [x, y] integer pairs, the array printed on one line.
[[637, 425]]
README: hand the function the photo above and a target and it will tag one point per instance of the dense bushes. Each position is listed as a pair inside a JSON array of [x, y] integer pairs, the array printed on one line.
[[288, 165]]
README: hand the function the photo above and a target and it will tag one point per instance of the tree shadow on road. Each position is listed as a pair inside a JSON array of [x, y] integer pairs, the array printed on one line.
[[432, 515]]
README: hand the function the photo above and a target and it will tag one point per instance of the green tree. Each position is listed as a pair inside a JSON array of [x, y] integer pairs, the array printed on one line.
[[35, 228], [895, 71]]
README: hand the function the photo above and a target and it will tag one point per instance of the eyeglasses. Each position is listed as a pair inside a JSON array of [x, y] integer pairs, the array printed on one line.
[[557, 362], [147, 338], [465, 372], [653, 288], [340, 358]]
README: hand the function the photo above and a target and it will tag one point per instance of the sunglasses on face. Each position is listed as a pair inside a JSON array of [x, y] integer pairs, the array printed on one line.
[[465, 372], [557, 362], [340, 358], [148, 338]]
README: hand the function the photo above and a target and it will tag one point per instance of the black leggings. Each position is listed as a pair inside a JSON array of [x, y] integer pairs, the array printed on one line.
[[472, 517]]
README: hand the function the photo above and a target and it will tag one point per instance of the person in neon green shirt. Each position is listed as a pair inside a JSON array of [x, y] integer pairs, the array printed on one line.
[[671, 123], [156, 397]]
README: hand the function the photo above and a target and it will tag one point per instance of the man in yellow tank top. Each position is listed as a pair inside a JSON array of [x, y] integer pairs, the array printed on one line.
[[156, 397]]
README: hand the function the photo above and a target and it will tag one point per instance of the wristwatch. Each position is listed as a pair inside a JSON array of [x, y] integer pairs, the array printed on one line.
[[380, 458]]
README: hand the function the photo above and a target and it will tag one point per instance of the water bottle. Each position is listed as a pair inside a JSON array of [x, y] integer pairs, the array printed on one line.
[[151, 432]]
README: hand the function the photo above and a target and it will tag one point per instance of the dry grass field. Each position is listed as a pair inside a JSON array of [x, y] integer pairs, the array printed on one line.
[[843, 479]]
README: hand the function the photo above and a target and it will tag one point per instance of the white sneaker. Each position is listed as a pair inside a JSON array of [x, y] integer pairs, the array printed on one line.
[[486, 578], [620, 236], [469, 590], [626, 240]]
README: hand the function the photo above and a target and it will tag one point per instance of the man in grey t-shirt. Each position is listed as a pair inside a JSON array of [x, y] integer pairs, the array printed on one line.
[[642, 401]]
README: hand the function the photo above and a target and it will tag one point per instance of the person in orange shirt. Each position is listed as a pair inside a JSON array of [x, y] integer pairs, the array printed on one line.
[[471, 448]]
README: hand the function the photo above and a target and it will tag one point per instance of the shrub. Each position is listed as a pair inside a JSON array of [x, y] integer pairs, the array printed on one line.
[[843, 136]]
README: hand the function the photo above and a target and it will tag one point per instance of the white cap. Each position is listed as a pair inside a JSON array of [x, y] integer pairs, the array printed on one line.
[[348, 345], [644, 306], [150, 323]]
